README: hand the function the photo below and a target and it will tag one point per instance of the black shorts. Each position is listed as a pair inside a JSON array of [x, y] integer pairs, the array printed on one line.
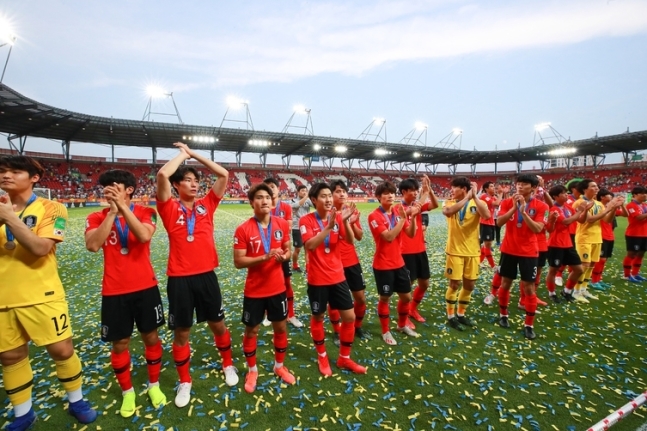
[[297, 242], [355, 278], [418, 265], [486, 232], [572, 239], [636, 243], [558, 256], [607, 248], [541, 260], [527, 267], [287, 269], [392, 280], [337, 295], [120, 312], [425, 219], [254, 309], [200, 292]]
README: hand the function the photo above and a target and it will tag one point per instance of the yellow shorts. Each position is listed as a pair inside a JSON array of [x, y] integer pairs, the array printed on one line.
[[43, 324], [588, 252], [461, 267]]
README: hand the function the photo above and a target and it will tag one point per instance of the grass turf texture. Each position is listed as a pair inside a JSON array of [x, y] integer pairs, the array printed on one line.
[[586, 361]]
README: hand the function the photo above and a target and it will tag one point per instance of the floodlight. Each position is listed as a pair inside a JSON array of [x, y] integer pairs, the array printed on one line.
[[378, 121], [300, 109], [416, 154], [7, 35], [420, 125], [457, 131], [562, 151], [235, 102], [340, 148], [156, 92], [541, 126], [316, 147], [259, 143], [380, 152]]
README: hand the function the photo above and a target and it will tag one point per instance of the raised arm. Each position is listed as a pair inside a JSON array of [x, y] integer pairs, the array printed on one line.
[[163, 175]]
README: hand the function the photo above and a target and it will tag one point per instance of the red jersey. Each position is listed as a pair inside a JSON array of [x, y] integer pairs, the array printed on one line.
[[283, 210], [348, 252], [416, 244], [388, 255], [190, 257], [542, 244], [489, 201], [572, 228], [323, 268], [560, 237], [636, 227], [519, 240], [125, 273], [266, 278]]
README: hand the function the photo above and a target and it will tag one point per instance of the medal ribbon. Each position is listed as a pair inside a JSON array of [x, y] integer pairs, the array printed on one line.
[[519, 216], [277, 209], [327, 239], [391, 219], [461, 213], [595, 207], [31, 200], [123, 232], [266, 239], [190, 221], [565, 212]]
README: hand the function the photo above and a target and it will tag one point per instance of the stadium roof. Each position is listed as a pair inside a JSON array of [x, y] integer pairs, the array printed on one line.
[[21, 116]]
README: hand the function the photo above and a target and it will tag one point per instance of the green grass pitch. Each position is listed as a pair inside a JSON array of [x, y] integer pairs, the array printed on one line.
[[586, 361]]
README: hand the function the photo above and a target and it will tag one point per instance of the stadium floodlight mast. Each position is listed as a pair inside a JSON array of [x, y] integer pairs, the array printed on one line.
[[7, 38], [370, 133], [545, 134], [156, 94], [450, 140], [300, 110], [235, 104], [417, 136]]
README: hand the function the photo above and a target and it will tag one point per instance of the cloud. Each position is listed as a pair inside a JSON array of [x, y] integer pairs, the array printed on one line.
[[281, 43]]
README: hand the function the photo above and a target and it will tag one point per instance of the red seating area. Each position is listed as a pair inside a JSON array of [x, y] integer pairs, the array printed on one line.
[[79, 179]]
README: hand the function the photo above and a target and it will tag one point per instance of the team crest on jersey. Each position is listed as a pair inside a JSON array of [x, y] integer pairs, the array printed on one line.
[[631, 210], [335, 228], [473, 210], [104, 331], [236, 240], [532, 212], [30, 221], [373, 224], [201, 210], [303, 230], [278, 234], [315, 307]]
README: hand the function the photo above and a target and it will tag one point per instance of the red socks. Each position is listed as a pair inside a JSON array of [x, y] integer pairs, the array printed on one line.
[[597, 270], [496, 283], [531, 308], [335, 319], [383, 314], [418, 294], [346, 337], [290, 295], [504, 300], [249, 350], [223, 343], [153, 356], [318, 335], [360, 312], [626, 265], [280, 346], [403, 313], [121, 365], [635, 266], [182, 358]]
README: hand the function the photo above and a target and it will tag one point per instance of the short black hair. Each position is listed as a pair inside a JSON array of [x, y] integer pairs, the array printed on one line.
[[270, 180], [23, 163], [528, 179], [181, 172], [385, 187], [119, 176], [556, 191], [316, 188], [584, 184], [638, 190], [408, 184], [338, 183], [462, 182], [572, 184], [301, 187], [251, 193], [486, 185], [603, 192]]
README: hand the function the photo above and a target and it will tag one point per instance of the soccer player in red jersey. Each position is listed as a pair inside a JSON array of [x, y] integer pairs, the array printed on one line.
[[561, 251], [350, 260], [414, 250], [192, 282], [262, 244], [608, 241], [542, 247], [321, 232], [391, 275], [636, 235], [573, 196], [523, 217], [283, 209], [129, 291], [487, 231]]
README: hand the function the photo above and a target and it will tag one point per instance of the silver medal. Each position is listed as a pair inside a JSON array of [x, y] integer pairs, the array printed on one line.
[[10, 245], [190, 238], [124, 251], [327, 250], [519, 224]]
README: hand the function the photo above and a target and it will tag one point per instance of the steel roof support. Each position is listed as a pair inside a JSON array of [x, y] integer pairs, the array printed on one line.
[[569, 163], [238, 159], [349, 164], [626, 156], [286, 161], [452, 169], [112, 149], [22, 141], [519, 166], [307, 162], [154, 155], [473, 166], [598, 160], [544, 164], [496, 168], [263, 158], [65, 145], [213, 155], [329, 160]]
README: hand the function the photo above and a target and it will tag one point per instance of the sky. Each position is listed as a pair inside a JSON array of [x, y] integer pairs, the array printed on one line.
[[493, 69]]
